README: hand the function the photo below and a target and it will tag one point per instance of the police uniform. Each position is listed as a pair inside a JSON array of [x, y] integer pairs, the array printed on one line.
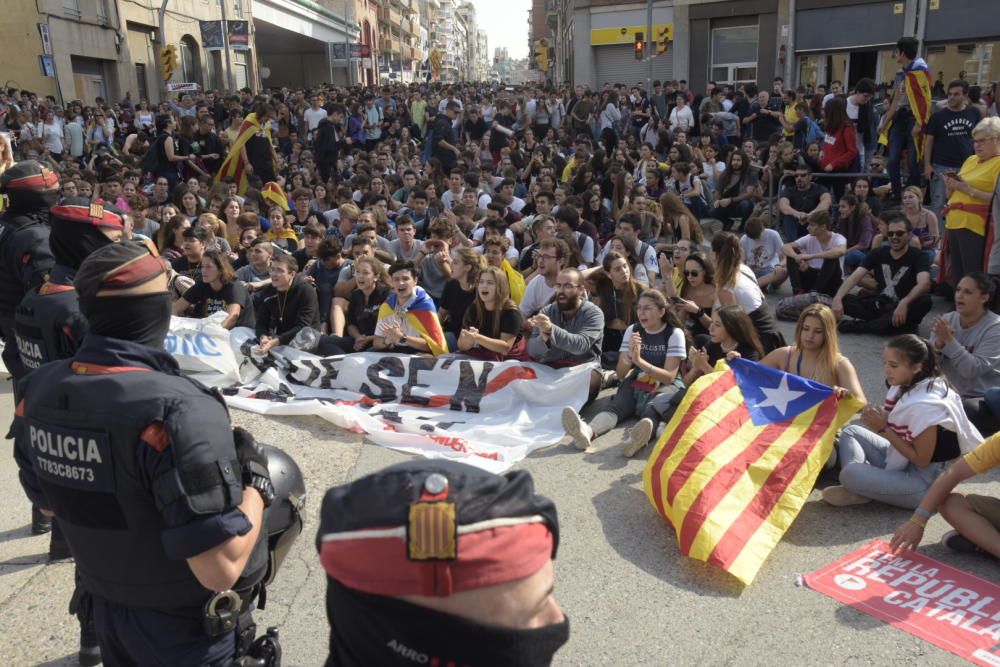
[[140, 467], [25, 259], [432, 528]]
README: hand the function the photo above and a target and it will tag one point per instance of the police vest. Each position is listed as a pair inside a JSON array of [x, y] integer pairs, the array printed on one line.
[[48, 326], [85, 430], [25, 258]]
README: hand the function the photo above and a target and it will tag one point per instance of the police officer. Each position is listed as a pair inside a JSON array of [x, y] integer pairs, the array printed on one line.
[[25, 260], [438, 562], [161, 503]]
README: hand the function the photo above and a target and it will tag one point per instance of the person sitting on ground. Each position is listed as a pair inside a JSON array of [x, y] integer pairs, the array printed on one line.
[[696, 299], [324, 273], [281, 232], [436, 266], [615, 291], [311, 237], [736, 188], [189, 264], [967, 341], [800, 199], [494, 250], [731, 334], [679, 222], [216, 234], [569, 331], [292, 305], [218, 290], [903, 280], [763, 252], [405, 247], [856, 224], [499, 608], [491, 327], [814, 261], [736, 283], [551, 256], [648, 364], [459, 292], [923, 220], [361, 314], [898, 450], [976, 518], [172, 237], [408, 321]]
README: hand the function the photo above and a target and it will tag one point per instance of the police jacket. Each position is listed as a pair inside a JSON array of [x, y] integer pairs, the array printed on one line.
[[139, 466], [48, 324], [25, 258]]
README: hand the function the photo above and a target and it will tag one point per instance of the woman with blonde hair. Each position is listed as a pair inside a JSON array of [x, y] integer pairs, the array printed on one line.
[[491, 328], [678, 220], [970, 192], [216, 234], [815, 355]]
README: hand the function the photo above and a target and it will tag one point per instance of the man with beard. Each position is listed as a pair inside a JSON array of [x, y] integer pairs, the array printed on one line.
[[570, 330], [902, 275]]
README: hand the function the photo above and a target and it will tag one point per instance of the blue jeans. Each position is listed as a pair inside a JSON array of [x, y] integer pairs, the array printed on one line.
[[792, 229], [862, 455], [939, 194], [853, 260], [900, 137]]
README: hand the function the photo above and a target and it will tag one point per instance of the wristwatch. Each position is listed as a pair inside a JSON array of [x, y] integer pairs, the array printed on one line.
[[255, 480]]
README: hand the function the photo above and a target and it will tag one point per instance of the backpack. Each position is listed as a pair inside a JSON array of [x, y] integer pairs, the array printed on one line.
[[151, 160], [791, 307]]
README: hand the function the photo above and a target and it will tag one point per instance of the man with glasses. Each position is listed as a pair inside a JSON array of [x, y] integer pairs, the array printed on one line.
[[550, 256], [901, 298], [948, 141], [798, 201], [569, 331]]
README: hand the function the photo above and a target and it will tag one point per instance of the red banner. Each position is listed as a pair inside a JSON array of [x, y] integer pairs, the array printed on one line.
[[950, 608]]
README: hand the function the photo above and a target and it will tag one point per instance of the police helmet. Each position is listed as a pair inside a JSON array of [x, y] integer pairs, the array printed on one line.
[[283, 520], [30, 187]]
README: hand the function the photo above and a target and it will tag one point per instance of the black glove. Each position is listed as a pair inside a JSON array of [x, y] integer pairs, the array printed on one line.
[[253, 463]]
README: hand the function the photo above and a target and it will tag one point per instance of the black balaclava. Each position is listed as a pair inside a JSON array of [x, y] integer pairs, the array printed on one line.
[[143, 318], [72, 242], [376, 630]]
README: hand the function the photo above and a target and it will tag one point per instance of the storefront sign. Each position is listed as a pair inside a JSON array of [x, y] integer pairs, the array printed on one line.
[[182, 87], [43, 30], [239, 35], [47, 66], [211, 35], [626, 34]]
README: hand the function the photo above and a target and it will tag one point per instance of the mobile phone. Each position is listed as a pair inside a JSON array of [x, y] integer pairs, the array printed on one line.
[[676, 299], [954, 175]]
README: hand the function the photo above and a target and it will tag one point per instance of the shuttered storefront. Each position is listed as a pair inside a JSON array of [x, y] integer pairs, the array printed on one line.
[[617, 64]]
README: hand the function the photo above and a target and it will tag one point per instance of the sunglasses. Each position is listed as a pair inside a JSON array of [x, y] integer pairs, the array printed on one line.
[[692, 274], [897, 233]]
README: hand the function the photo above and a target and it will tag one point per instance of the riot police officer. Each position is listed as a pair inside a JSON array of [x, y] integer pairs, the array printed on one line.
[[161, 504]]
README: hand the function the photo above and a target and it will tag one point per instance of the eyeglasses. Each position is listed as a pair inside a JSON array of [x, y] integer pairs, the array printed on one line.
[[540, 256], [692, 274], [566, 286], [897, 233]]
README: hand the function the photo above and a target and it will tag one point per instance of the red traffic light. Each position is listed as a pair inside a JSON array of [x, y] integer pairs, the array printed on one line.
[[640, 46]]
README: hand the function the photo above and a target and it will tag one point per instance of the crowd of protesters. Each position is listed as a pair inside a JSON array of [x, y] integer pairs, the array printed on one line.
[[639, 230]]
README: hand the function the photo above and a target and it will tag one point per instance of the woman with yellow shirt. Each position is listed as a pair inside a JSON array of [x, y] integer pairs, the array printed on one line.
[[969, 194]]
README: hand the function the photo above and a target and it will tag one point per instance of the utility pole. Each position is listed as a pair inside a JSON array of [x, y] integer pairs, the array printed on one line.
[[347, 48], [230, 84], [161, 16], [649, 51]]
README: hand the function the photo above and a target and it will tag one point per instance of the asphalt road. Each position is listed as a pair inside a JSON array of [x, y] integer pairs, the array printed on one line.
[[631, 597]]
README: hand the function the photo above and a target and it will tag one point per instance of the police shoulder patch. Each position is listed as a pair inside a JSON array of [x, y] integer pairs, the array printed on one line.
[[432, 531]]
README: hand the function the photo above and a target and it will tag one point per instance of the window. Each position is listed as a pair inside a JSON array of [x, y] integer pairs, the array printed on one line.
[[102, 12], [71, 8], [241, 70], [189, 62], [734, 54], [140, 78]]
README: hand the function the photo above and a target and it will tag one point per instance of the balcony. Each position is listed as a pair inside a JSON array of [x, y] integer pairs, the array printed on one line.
[[395, 17]]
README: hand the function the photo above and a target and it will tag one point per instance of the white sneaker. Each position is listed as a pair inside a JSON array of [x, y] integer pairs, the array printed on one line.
[[839, 496], [638, 437], [576, 429]]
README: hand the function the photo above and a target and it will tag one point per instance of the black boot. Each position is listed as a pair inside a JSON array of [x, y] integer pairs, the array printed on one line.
[[58, 547], [40, 524], [90, 650]]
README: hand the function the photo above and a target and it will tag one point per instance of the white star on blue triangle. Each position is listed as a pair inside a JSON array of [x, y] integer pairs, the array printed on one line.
[[773, 396]]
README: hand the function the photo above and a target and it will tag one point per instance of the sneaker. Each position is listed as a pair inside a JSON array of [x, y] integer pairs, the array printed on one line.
[[40, 524], [638, 437], [609, 379], [576, 429], [90, 650], [958, 542], [839, 496]]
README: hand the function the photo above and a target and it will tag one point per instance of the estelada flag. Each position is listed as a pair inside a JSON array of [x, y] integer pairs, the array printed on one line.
[[917, 78], [738, 460], [421, 314], [234, 165], [275, 195]]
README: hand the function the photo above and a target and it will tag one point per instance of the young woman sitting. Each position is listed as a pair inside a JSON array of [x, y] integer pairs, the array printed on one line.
[[491, 328], [648, 364], [903, 446], [371, 290], [616, 292], [218, 290]]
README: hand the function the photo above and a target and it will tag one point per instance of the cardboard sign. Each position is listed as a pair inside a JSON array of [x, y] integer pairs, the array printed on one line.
[[952, 609]]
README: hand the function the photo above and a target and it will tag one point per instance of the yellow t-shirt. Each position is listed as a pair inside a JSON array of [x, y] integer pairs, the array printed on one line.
[[678, 279], [981, 176], [986, 456], [792, 116]]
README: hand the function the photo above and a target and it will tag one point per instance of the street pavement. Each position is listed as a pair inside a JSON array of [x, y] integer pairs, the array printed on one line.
[[632, 599]]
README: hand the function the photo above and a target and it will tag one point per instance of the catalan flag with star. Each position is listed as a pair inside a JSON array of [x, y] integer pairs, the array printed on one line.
[[738, 460], [421, 314], [234, 165]]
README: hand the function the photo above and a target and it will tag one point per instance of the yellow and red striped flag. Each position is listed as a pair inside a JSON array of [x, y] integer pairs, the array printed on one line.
[[234, 164], [738, 460]]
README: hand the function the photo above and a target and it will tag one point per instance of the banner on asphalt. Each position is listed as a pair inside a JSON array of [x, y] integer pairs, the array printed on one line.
[[487, 414], [950, 608]]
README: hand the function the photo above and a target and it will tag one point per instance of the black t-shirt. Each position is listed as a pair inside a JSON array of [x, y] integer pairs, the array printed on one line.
[[498, 139], [476, 130], [715, 353], [206, 301], [765, 126], [208, 144], [803, 200], [364, 314], [258, 149], [443, 133], [185, 267], [900, 273], [952, 132], [456, 301], [511, 321]]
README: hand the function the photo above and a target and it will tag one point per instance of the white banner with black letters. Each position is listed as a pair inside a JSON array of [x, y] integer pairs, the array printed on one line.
[[487, 414]]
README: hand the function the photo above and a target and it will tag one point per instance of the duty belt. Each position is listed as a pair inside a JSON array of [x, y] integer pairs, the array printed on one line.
[[225, 610]]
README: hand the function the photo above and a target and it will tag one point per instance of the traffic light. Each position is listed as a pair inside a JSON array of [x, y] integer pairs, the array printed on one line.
[[168, 61], [640, 46], [542, 54], [662, 40]]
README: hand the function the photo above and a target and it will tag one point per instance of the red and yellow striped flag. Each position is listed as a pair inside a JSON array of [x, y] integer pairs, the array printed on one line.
[[738, 460], [234, 165]]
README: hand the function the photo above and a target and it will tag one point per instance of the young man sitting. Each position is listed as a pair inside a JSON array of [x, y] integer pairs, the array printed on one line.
[[763, 253], [293, 305], [814, 260], [408, 321]]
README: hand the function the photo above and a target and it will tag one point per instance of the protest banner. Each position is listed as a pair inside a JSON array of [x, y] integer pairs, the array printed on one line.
[[955, 610], [738, 459], [487, 414]]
